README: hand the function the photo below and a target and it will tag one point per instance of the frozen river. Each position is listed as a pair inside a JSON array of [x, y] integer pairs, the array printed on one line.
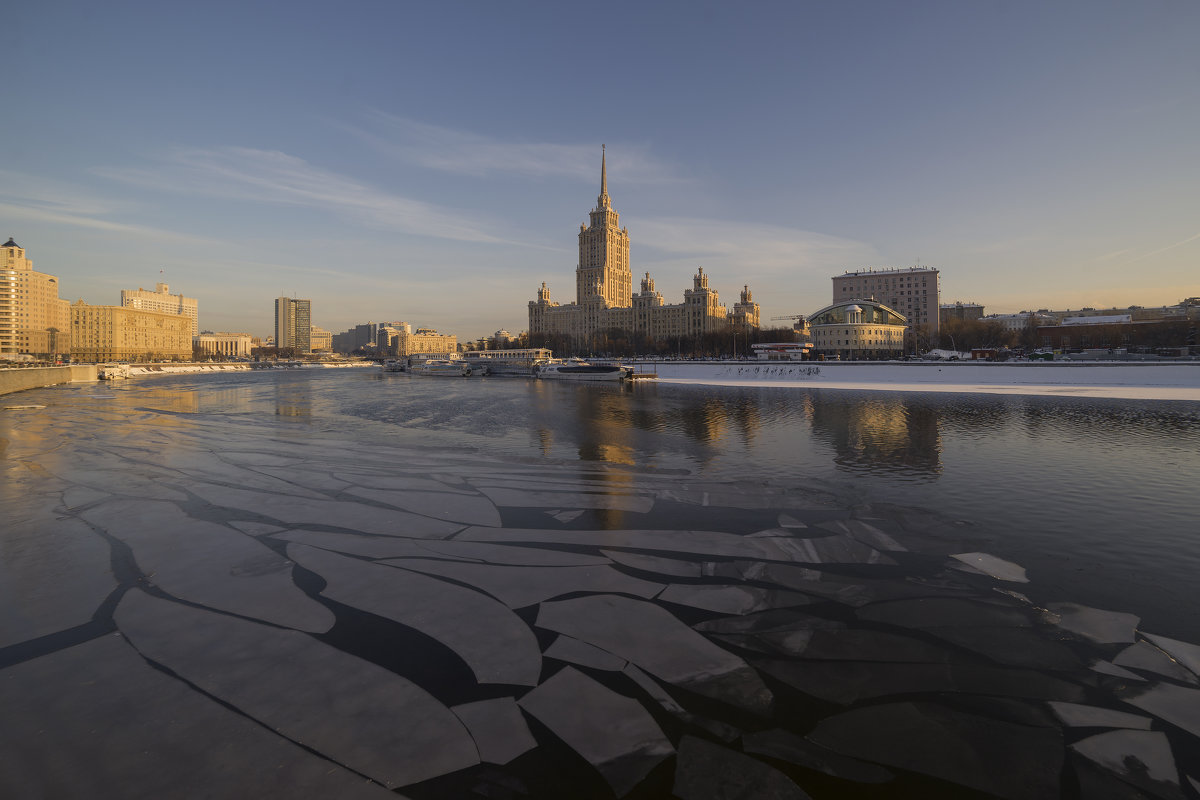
[[338, 583]]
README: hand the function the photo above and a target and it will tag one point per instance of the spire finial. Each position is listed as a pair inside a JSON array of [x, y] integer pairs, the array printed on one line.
[[603, 176]]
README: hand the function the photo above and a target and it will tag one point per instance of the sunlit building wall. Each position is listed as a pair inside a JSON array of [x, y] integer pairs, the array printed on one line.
[[911, 291], [858, 329], [222, 345], [116, 333], [33, 319], [163, 301]]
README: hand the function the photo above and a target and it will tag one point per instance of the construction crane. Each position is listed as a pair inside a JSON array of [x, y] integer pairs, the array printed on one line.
[[797, 320]]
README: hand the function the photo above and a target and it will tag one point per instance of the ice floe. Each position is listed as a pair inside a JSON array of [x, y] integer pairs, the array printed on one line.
[[653, 639], [351, 711], [707, 771], [997, 568], [210, 564], [496, 644], [614, 734], [499, 730]]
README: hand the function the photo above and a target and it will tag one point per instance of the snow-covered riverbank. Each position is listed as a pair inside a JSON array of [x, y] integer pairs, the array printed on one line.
[[1166, 381]]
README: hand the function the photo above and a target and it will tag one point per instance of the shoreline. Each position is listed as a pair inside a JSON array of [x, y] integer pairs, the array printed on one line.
[[1134, 381]]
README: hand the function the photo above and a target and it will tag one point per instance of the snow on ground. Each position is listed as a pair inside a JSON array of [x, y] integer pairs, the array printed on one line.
[[1173, 381]]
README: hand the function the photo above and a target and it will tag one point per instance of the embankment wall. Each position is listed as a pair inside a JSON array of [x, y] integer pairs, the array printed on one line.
[[18, 379]]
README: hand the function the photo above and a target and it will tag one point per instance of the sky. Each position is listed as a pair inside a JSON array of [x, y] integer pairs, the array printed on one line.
[[431, 162]]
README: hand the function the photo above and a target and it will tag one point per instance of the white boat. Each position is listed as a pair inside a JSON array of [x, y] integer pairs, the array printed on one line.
[[576, 369], [440, 367], [112, 372], [393, 365]]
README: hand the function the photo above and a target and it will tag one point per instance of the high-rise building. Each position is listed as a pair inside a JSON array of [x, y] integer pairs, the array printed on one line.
[[913, 291], [33, 319], [293, 324], [163, 301], [604, 296]]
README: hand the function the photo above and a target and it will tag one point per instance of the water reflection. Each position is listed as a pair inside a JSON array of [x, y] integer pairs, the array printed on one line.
[[879, 433]]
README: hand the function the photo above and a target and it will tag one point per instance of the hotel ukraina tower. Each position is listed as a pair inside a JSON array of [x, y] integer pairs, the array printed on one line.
[[604, 296]]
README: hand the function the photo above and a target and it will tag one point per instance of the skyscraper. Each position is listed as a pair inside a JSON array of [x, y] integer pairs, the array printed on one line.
[[293, 324]]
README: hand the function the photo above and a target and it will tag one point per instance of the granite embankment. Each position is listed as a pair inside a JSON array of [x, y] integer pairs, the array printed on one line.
[[18, 379]]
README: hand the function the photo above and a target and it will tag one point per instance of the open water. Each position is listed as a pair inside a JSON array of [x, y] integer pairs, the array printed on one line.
[[1098, 498]]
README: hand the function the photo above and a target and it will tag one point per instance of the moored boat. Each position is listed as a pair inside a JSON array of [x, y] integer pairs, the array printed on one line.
[[441, 367], [576, 369], [393, 365]]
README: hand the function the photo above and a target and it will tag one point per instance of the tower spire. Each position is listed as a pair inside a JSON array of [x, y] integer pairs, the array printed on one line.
[[603, 201]]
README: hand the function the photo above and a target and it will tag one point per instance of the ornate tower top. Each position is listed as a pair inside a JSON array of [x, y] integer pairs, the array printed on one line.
[[602, 202]]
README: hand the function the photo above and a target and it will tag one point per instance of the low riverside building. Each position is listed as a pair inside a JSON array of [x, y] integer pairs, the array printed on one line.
[[858, 330], [222, 345], [960, 311], [34, 321], [426, 341], [604, 298], [322, 340], [163, 301], [117, 333]]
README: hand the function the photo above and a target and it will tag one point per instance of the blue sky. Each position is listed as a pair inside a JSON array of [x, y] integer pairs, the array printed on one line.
[[432, 162]]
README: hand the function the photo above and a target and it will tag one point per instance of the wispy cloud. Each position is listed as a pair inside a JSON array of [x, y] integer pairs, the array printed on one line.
[[755, 249], [272, 177], [470, 153], [36, 212], [1153, 253]]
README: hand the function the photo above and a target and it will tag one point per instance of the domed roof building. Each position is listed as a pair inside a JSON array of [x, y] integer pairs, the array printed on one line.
[[858, 330]]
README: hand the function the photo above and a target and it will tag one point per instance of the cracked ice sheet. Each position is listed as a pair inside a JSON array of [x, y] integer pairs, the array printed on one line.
[[613, 733], [706, 771], [706, 543], [1143, 758], [383, 547], [493, 641], [1094, 624], [518, 587], [1175, 704], [54, 574], [1183, 652], [731, 599], [998, 568], [209, 564], [499, 730], [865, 533], [121, 729], [1085, 716], [454, 507], [606, 499], [564, 648], [1007, 760], [653, 639], [1145, 656], [349, 710], [656, 564], [294, 510]]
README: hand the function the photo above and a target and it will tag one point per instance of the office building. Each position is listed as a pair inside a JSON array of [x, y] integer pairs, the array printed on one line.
[[293, 324], [163, 301]]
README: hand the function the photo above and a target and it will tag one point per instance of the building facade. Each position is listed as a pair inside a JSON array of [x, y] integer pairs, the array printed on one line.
[[911, 291], [959, 311], [402, 341], [163, 301], [857, 330], [34, 321], [116, 333], [322, 340], [222, 345], [604, 297], [293, 324]]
